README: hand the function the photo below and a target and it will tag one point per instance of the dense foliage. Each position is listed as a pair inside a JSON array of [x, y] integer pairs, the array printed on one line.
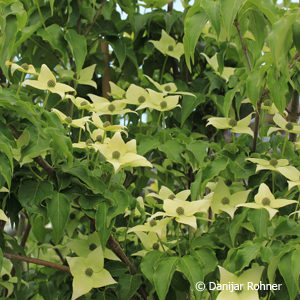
[[145, 150]]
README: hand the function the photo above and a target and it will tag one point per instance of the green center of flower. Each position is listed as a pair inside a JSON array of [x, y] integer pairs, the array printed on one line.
[[167, 88], [267, 102], [89, 272], [152, 223], [163, 104], [225, 201], [106, 124], [5, 277], [83, 103], [89, 142], [289, 126], [68, 120], [232, 122], [99, 138], [51, 83], [172, 197], [116, 155], [273, 162], [25, 66], [180, 210], [155, 246], [170, 48], [92, 246], [265, 201], [228, 182], [72, 216], [141, 99], [111, 107]]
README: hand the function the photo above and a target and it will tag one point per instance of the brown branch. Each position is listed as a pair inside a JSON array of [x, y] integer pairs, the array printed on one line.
[[26, 233], [170, 6], [116, 248], [58, 253], [95, 19], [256, 122], [237, 25], [36, 261]]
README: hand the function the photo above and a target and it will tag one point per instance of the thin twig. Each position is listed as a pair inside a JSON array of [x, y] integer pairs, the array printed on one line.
[[237, 25], [256, 122], [26, 233], [95, 19], [36, 261]]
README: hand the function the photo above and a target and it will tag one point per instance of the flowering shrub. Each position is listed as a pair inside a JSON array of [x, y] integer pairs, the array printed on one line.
[[149, 153]]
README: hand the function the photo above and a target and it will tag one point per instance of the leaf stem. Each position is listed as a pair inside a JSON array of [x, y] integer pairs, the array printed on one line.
[[284, 143], [45, 103], [20, 85], [163, 69]]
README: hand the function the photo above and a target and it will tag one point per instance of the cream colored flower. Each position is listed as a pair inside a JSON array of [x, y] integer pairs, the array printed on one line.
[[265, 199], [165, 193], [273, 164], [121, 155], [47, 81], [284, 125], [69, 121], [25, 68]]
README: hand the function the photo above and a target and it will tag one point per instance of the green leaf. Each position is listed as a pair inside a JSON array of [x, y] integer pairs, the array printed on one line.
[[53, 34], [1, 259], [189, 103], [165, 269], [280, 40], [8, 41], [266, 8], [148, 263], [259, 219], [128, 285], [190, 267], [278, 87], [207, 260], [119, 48], [196, 186], [228, 100], [285, 266], [235, 225], [5, 169], [58, 212], [296, 34], [146, 143], [77, 44], [295, 261], [23, 139], [194, 23], [31, 193], [173, 150], [102, 225], [212, 8], [229, 10], [254, 86]]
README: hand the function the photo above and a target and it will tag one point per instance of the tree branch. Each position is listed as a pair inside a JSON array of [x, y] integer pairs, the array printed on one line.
[[36, 261], [95, 19], [237, 25]]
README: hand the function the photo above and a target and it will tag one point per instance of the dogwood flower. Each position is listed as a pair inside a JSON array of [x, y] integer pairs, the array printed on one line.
[[165, 193], [102, 106], [168, 88], [136, 95], [269, 106], [88, 273], [293, 174], [168, 46], [25, 68], [150, 242], [106, 126], [7, 280], [265, 199], [157, 226], [158, 102], [80, 102], [241, 289], [184, 211], [115, 91], [69, 121], [3, 217], [47, 81], [223, 200], [273, 164], [85, 244], [241, 126], [284, 125], [121, 155]]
